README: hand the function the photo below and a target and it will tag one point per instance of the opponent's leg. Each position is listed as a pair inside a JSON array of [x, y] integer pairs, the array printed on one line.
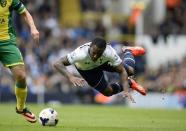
[[21, 92]]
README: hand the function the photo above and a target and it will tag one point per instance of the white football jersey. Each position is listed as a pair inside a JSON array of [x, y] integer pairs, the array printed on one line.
[[81, 58]]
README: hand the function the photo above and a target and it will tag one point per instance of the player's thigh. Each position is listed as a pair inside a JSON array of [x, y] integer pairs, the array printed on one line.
[[93, 77], [10, 55]]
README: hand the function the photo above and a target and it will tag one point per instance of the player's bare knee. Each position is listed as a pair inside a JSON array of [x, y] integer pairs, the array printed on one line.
[[20, 76]]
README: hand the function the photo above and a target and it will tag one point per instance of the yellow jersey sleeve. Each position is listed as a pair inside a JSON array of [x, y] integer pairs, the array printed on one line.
[[18, 6]]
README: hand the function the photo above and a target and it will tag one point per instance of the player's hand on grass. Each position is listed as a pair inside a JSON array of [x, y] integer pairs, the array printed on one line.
[[76, 81], [35, 35], [126, 94]]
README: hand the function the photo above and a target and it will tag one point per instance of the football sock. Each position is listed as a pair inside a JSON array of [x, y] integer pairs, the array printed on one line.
[[129, 61], [116, 88], [21, 94]]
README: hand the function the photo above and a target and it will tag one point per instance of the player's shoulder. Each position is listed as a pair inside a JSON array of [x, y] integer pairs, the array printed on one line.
[[109, 49], [82, 50], [84, 46]]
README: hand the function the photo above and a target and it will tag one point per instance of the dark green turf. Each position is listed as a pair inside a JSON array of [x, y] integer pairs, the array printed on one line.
[[97, 118]]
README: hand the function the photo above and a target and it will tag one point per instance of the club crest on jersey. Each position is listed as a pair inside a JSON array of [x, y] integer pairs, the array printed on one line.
[[2, 20], [3, 3]]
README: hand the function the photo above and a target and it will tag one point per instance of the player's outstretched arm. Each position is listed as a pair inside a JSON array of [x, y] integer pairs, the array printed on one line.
[[61, 64], [29, 20], [124, 81]]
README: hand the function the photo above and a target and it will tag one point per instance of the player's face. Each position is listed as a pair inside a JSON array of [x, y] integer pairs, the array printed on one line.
[[95, 52]]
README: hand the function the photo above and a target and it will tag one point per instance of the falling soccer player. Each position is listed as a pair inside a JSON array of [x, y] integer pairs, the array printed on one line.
[[91, 59]]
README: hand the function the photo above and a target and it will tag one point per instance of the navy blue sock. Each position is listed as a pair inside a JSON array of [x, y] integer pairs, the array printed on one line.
[[128, 61], [116, 88]]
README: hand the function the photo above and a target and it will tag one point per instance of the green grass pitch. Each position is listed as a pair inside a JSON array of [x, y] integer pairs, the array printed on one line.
[[97, 118]]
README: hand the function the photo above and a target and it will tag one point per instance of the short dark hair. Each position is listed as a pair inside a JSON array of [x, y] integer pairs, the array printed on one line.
[[99, 42]]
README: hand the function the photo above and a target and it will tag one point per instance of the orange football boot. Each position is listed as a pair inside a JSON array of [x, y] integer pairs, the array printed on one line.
[[29, 116], [136, 50], [137, 87]]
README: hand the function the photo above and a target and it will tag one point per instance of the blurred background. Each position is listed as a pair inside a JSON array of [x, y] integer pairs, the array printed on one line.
[[157, 25]]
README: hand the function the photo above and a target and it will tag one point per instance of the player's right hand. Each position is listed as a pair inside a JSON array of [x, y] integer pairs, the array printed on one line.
[[35, 35], [126, 94], [76, 81]]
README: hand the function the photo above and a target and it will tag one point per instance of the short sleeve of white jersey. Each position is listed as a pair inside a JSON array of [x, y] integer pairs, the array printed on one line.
[[114, 59], [75, 56]]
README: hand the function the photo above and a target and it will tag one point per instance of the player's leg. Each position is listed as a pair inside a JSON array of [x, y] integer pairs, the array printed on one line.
[[108, 89], [20, 85], [114, 88], [129, 64], [12, 58], [96, 79], [19, 74]]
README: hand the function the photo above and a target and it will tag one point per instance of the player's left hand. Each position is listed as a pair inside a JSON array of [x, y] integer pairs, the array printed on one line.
[[35, 35], [126, 94]]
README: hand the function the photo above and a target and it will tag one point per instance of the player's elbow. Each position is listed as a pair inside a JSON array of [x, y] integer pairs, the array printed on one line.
[[56, 65]]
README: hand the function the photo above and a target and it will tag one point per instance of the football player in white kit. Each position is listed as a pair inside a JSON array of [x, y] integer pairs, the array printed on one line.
[[91, 59]]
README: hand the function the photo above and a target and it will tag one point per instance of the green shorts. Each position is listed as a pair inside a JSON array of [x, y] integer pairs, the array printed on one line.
[[10, 55]]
